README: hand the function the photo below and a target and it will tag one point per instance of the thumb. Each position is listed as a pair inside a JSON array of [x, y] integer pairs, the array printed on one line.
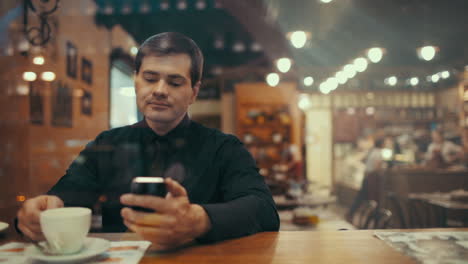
[[174, 188]]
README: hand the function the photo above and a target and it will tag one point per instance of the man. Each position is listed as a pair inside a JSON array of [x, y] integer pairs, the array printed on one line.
[[442, 153], [218, 194]]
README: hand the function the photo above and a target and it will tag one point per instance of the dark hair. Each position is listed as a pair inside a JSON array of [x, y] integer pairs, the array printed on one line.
[[378, 143], [168, 43]]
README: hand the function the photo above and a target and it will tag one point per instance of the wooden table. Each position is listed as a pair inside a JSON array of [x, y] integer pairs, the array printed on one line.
[[359, 246], [453, 209]]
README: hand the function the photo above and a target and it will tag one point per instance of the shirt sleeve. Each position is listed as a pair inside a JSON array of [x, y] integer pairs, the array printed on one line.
[[247, 205], [80, 185]]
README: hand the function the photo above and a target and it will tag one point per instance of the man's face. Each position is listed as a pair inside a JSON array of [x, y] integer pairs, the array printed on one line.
[[164, 89]]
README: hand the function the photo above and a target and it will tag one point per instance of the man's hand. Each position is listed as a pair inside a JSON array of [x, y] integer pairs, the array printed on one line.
[[28, 215], [175, 222]]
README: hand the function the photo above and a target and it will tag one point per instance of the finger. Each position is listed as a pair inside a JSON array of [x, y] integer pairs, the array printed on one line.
[[147, 201], [154, 234], [148, 219], [30, 213], [29, 233], [36, 228], [175, 188]]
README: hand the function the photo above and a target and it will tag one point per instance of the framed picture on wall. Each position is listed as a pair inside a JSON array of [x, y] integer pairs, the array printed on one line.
[[36, 102], [87, 103], [72, 60], [62, 105], [86, 71]]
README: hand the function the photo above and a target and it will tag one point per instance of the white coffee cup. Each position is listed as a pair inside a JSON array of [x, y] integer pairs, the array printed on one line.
[[65, 229]]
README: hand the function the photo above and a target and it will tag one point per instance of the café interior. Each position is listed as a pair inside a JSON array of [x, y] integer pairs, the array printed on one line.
[[346, 106]]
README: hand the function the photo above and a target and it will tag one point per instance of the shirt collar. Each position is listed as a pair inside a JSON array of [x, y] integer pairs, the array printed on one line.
[[174, 136]]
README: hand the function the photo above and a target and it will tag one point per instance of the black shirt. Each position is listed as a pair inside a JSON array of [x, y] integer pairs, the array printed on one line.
[[218, 173]]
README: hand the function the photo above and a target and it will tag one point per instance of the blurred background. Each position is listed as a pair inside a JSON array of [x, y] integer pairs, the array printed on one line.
[[356, 111]]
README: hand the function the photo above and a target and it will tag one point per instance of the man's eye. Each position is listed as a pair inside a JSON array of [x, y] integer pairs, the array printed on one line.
[[151, 80], [175, 84]]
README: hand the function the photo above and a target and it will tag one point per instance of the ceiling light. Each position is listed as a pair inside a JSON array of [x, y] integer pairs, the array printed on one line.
[[435, 78], [445, 74], [360, 64], [341, 77], [283, 65], [308, 81], [29, 76], [414, 81], [375, 54], [48, 76], [298, 39], [332, 83], [392, 80], [324, 88], [326, 1], [427, 53], [304, 102], [273, 79], [349, 71], [39, 60]]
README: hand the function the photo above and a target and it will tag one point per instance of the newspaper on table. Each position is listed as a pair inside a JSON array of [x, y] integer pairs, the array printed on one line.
[[429, 247], [121, 252]]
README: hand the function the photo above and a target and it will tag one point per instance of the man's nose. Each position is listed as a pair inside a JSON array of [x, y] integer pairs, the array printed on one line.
[[160, 89]]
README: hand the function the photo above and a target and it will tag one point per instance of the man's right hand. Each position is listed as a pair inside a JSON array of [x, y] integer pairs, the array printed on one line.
[[28, 215]]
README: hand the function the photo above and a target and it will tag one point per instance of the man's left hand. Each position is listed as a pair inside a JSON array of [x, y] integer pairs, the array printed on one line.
[[175, 222]]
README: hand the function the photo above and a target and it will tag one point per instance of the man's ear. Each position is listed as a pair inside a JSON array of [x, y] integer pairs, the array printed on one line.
[[195, 89]]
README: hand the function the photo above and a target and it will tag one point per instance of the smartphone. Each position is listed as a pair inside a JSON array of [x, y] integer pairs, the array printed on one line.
[[148, 186]]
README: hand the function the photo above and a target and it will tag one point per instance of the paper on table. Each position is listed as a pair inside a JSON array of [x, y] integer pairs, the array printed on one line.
[[429, 247], [12, 253], [124, 252]]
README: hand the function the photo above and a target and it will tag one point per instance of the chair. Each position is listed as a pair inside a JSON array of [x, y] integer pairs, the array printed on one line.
[[380, 220], [363, 214], [398, 207], [419, 212]]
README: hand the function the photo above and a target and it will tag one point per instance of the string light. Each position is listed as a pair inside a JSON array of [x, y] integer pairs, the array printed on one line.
[[39, 60], [298, 39], [29, 76], [414, 81], [427, 53], [375, 54], [283, 65], [360, 64], [48, 76], [308, 81], [273, 79]]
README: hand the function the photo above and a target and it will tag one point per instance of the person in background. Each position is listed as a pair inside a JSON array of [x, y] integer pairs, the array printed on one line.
[[218, 194], [374, 162], [442, 153]]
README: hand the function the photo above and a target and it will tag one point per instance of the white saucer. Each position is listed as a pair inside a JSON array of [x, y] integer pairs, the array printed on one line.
[[92, 247], [3, 226]]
